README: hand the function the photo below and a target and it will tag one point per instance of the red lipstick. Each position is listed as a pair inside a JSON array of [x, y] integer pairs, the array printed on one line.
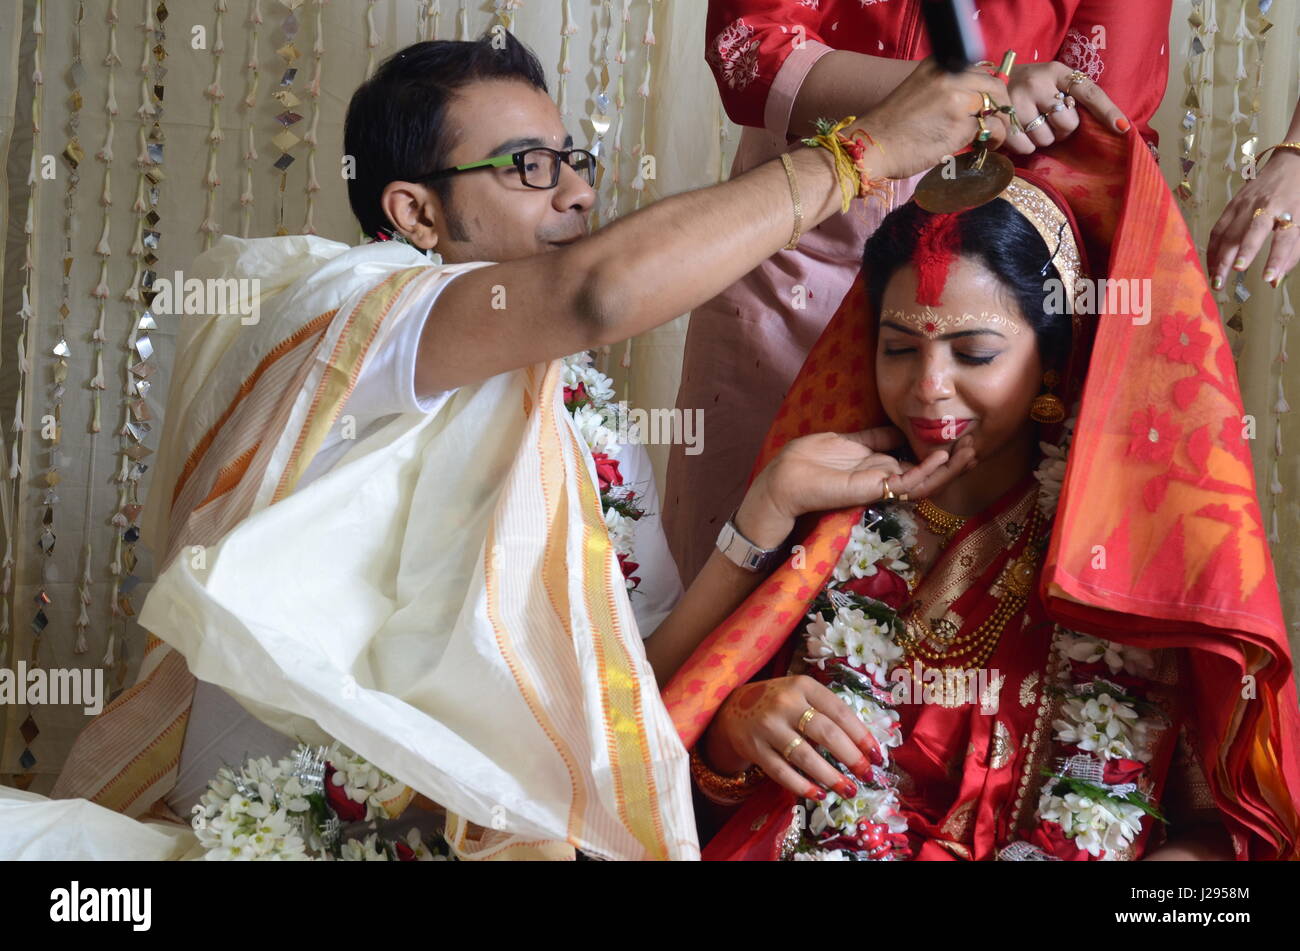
[[938, 430]]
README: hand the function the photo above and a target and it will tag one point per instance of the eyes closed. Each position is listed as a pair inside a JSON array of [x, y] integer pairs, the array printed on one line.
[[975, 358]]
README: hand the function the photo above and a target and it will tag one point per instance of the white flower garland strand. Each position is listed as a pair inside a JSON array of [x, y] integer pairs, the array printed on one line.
[[1051, 471], [852, 639], [264, 811], [1101, 818], [600, 421]]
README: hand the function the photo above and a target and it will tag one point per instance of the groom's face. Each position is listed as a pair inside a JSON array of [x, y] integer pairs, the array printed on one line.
[[490, 214]]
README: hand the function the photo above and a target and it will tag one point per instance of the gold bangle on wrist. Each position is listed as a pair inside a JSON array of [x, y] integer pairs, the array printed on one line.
[[720, 789], [798, 202], [1292, 146]]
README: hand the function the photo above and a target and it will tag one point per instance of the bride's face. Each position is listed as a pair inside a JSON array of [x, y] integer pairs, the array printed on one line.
[[969, 365]]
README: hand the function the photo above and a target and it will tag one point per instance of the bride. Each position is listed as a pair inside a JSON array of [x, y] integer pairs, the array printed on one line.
[[1074, 650]]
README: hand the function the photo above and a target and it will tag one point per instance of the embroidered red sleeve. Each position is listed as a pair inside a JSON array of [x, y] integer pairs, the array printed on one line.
[[747, 43], [1124, 48]]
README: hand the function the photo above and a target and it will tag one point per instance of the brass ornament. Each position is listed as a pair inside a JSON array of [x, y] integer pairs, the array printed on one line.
[[972, 179]]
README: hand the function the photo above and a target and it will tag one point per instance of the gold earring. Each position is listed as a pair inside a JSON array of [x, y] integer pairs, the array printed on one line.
[[1047, 407]]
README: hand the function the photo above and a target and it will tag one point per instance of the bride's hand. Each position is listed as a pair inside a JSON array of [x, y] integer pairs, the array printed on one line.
[[828, 471], [760, 721]]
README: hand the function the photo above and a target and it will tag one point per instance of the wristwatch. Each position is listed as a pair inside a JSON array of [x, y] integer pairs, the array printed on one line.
[[741, 551]]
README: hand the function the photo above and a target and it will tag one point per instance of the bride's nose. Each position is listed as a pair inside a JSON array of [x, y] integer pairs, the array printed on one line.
[[935, 381]]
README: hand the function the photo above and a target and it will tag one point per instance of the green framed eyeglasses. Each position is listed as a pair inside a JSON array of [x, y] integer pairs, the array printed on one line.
[[538, 167]]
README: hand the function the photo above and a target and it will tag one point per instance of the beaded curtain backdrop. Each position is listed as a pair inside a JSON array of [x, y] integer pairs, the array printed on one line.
[[137, 131]]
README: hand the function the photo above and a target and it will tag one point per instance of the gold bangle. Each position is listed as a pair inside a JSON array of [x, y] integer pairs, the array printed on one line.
[[798, 202], [1294, 146], [720, 789]]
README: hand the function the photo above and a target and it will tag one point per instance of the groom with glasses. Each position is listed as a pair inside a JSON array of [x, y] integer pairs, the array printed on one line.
[[453, 610], [539, 167]]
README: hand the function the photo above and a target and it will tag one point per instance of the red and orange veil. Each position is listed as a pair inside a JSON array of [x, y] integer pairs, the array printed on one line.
[[1159, 481]]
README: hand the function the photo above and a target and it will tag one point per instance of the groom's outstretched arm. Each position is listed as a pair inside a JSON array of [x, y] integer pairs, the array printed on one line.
[[665, 260]]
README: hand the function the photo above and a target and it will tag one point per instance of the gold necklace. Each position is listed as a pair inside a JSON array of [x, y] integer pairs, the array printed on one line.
[[941, 522], [974, 649]]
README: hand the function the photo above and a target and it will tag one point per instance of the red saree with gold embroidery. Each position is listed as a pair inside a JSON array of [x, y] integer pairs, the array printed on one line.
[[1159, 481]]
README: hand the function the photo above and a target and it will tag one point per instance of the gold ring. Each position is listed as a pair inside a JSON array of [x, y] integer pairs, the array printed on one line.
[[984, 134], [889, 493], [989, 107], [791, 747], [1075, 77], [1283, 221], [1258, 212], [903, 497], [806, 719]]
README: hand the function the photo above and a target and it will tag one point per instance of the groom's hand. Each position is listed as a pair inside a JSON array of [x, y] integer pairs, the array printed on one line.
[[931, 116]]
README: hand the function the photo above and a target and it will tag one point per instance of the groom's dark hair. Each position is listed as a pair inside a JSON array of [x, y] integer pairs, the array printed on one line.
[[396, 122]]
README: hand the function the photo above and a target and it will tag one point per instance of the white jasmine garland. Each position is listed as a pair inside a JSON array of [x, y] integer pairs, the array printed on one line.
[[907, 526], [363, 782], [821, 855], [600, 421], [261, 811], [862, 647], [591, 423], [1051, 471], [578, 369], [1102, 822], [620, 530], [367, 850], [1095, 824], [867, 552], [1102, 725], [856, 638], [881, 722], [843, 815], [1089, 650]]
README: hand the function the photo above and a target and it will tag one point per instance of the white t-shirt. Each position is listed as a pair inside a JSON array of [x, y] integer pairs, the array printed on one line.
[[220, 731]]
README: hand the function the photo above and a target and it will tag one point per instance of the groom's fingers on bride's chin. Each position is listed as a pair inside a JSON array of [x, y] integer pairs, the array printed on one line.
[[880, 461], [918, 475], [881, 437], [921, 481]]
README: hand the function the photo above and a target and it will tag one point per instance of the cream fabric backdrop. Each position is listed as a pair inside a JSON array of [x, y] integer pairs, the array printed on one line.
[[684, 130]]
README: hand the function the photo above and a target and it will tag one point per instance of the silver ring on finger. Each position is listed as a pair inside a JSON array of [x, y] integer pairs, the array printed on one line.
[[1058, 107], [1035, 122], [791, 747]]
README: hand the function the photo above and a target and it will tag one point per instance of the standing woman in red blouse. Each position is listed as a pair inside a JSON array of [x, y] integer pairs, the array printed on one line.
[[782, 64]]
